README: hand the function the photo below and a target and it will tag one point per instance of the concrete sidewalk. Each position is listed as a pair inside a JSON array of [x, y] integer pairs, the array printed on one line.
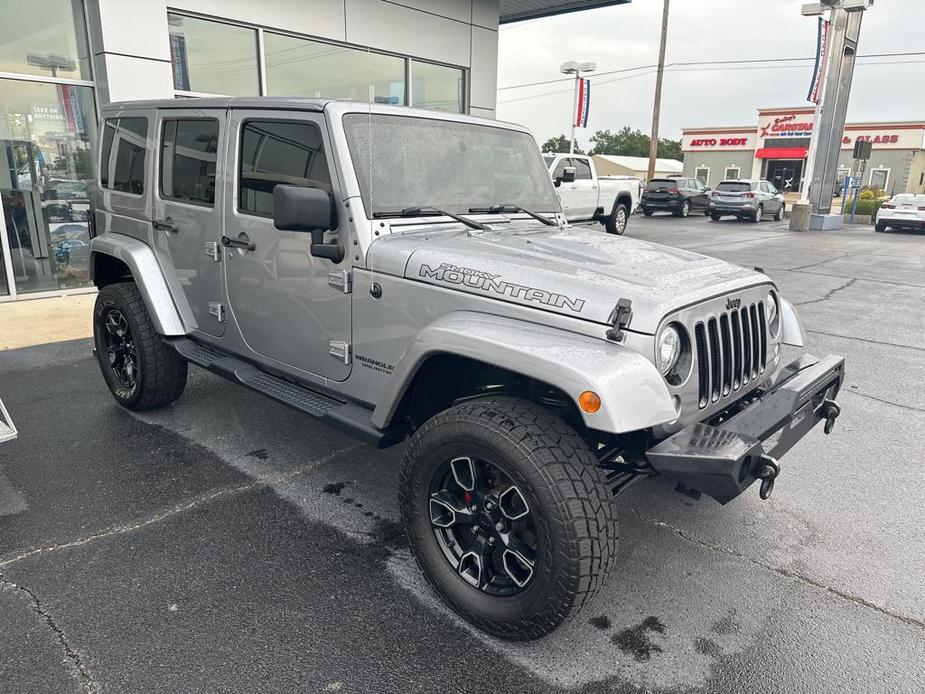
[[39, 321]]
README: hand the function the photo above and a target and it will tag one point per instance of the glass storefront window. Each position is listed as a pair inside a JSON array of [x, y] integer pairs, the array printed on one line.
[[299, 67], [213, 57], [47, 135], [45, 38], [437, 87]]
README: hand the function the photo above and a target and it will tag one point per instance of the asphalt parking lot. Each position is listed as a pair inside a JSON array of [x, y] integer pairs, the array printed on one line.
[[227, 544]]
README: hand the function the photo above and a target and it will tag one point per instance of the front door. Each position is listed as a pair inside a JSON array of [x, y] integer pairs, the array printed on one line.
[[584, 189], [188, 209], [289, 306]]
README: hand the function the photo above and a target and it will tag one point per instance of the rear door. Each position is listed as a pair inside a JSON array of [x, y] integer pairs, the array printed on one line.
[[290, 307], [188, 209]]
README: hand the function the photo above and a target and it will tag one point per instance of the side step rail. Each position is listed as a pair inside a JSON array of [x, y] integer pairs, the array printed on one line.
[[346, 416]]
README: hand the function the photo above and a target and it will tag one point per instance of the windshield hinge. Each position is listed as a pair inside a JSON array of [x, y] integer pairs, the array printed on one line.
[[339, 350], [340, 280], [620, 318]]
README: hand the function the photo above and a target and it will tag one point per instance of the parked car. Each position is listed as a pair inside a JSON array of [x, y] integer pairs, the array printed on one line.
[[905, 211], [747, 199], [534, 368], [586, 196], [680, 196]]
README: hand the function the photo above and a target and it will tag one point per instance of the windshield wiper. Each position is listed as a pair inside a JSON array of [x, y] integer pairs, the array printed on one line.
[[501, 209], [428, 212]]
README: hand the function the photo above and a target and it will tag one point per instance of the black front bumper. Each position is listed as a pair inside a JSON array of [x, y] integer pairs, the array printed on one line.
[[742, 444]]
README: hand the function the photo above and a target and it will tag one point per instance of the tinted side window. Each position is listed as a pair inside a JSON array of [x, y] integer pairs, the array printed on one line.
[[122, 162], [188, 155], [560, 168], [274, 152], [582, 169]]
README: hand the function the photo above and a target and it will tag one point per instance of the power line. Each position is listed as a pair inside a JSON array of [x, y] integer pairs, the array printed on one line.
[[672, 68], [709, 62]]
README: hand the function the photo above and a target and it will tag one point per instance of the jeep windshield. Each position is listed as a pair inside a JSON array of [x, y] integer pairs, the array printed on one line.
[[407, 162]]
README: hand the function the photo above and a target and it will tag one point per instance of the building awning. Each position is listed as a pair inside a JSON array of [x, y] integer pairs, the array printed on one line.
[[518, 10], [781, 153]]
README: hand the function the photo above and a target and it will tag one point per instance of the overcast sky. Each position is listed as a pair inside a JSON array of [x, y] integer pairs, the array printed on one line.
[[627, 36]]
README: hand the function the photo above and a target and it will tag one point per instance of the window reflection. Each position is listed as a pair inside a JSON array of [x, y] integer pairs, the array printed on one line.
[[437, 87], [47, 133], [299, 67], [45, 38], [213, 57]]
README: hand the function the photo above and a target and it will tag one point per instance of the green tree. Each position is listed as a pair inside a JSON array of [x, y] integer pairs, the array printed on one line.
[[559, 145], [632, 143]]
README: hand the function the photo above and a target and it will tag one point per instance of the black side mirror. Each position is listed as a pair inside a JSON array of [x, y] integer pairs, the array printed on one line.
[[568, 174], [298, 208]]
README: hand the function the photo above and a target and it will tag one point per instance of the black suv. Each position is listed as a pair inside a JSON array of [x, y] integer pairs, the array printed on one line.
[[680, 196]]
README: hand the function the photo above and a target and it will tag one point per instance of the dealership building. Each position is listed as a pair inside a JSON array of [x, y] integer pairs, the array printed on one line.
[[776, 150], [61, 60]]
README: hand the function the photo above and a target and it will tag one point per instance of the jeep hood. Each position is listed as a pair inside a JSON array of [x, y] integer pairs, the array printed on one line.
[[573, 271]]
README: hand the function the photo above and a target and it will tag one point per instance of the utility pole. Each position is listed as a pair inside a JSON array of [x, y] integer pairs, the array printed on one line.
[[656, 110]]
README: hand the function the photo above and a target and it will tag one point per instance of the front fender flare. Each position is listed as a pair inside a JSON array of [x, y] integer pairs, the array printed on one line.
[[792, 332], [633, 394], [148, 276]]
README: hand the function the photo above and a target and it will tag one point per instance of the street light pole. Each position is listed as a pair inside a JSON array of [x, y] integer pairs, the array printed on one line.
[[574, 68], [657, 108]]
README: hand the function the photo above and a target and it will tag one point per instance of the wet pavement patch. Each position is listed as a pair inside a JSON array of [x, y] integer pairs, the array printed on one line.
[[707, 647], [334, 488], [726, 625], [602, 622], [389, 534], [635, 640]]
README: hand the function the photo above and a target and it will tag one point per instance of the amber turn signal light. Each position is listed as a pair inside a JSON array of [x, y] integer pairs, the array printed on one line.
[[589, 402]]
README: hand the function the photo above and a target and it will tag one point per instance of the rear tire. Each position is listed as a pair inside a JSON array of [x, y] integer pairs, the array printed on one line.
[[141, 371], [647, 213], [715, 217], [880, 226], [617, 221], [759, 213], [565, 499]]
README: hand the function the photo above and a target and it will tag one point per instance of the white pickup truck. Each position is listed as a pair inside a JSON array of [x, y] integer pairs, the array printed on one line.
[[586, 196]]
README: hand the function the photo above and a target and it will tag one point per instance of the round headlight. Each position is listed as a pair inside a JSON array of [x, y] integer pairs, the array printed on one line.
[[773, 314], [668, 349]]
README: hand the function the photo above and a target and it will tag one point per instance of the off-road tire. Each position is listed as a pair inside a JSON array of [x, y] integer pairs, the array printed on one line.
[[576, 519], [612, 223], [161, 372], [779, 215], [684, 211], [759, 213]]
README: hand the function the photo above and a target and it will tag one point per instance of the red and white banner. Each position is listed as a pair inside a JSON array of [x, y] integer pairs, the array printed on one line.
[[822, 54], [584, 103]]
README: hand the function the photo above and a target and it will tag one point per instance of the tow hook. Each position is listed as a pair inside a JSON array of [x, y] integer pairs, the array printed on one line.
[[768, 470], [830, 410]]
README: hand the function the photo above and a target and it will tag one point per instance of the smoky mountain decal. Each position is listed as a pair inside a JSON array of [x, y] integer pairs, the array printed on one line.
[[476, 279]]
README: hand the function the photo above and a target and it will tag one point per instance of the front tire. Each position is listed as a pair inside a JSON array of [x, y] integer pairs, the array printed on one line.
[[616, 222], [779, 215], [520, 571], [141, 371]]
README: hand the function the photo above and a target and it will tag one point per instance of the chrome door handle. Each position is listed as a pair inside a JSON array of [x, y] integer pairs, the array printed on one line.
[[165, 224]]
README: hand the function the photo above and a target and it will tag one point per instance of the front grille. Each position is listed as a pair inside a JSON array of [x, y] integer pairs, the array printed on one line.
[[732, 351]]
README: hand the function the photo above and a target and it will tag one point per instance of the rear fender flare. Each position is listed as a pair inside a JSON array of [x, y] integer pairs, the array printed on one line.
[[146, 271], [633, 394]]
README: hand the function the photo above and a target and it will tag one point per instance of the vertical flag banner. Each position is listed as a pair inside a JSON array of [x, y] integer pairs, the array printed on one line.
[[584, 103], [822, 53]]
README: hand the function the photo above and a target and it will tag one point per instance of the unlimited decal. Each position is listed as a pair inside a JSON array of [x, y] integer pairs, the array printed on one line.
[[476, 279]]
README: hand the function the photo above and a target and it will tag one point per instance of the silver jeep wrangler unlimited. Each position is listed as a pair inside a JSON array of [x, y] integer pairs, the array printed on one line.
[[409, 275]]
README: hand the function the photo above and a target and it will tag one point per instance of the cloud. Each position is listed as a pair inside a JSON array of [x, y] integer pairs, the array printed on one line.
[[627, 36]]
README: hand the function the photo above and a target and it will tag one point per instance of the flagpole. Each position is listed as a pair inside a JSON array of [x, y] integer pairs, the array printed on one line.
[[574, 68], [571, 142]]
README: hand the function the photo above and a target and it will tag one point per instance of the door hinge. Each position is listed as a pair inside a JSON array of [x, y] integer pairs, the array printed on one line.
[[339, 349], [340, 280], [217, 310], [211, 249]]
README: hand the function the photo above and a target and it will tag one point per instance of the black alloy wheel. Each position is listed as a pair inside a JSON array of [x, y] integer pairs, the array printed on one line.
[[483, 525], [120, 348]]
